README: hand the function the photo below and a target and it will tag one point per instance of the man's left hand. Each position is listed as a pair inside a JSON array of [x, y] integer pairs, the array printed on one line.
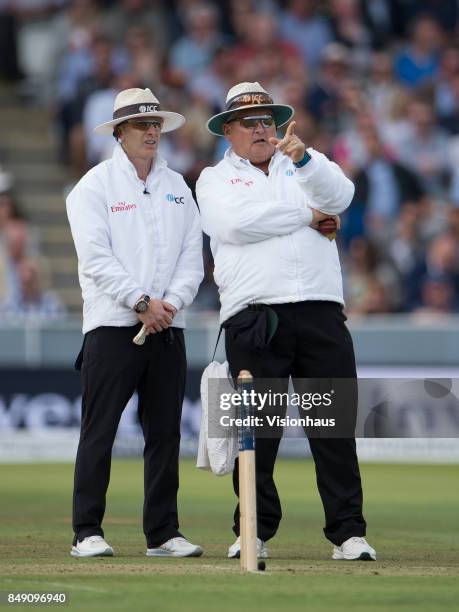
[[290, 145], [171, 309]]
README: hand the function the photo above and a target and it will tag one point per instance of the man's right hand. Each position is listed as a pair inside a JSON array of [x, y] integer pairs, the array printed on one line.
[[157, 317]]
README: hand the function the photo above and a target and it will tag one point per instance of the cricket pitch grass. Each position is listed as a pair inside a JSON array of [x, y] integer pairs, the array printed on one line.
[[412, 513]]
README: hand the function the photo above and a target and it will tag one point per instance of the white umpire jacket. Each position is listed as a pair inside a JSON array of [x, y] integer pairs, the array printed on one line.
[[131, 243], [264, 250]]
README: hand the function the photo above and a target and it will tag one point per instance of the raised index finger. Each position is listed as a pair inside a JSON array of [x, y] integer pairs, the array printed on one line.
[[290, 129]]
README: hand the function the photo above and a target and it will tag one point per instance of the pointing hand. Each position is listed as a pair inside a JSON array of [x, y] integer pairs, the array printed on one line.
[[290, 145]]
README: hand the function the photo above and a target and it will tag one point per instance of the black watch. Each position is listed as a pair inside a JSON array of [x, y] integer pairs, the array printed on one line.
[[142, 304]]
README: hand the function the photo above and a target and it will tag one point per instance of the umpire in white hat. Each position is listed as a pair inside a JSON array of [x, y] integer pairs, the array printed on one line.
[[138, 238], [270, 208]]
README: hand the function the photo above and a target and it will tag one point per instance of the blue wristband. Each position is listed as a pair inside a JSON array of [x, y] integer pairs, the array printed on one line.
[[303, 161]]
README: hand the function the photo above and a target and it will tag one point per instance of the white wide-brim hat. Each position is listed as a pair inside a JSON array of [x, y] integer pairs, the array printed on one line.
[[249, 95], [133, 103]]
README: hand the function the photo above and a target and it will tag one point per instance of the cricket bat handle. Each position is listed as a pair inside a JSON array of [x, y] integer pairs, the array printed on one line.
[[140, 338]]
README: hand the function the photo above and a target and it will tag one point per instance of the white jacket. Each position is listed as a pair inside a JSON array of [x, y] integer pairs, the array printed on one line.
[[263, 249], [130, 243]]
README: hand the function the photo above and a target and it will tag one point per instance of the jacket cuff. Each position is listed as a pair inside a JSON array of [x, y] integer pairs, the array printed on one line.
[[308, 169], [174, 300], [307, 215], [133, 297]]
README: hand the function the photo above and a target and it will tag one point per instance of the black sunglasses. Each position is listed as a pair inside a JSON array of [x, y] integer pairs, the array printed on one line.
[[144, 125], [252, 122]]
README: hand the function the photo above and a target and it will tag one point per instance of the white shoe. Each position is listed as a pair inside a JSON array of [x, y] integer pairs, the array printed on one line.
[[92, 546], [176, 547], [234, 551], [354, 549]]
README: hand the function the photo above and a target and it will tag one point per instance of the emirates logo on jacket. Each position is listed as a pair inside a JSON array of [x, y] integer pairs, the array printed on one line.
[[122, 207]]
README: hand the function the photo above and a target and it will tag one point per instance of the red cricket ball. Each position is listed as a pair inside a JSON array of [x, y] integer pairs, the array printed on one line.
[[327, 226]]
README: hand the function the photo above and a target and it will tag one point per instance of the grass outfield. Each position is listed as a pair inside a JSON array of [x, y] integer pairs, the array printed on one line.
[[412, 512]]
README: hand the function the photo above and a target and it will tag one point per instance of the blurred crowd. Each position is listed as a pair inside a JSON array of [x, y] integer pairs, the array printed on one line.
[[375, 85], [24, 271]]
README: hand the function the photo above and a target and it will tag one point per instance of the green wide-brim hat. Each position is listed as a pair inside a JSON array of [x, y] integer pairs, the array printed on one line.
[[247, 96]]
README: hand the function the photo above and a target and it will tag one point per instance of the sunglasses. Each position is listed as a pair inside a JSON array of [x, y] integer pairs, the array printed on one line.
[[143, 126], [252, 122]]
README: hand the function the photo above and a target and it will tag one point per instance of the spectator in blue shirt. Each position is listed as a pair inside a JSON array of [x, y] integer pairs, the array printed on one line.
[[418, 63]]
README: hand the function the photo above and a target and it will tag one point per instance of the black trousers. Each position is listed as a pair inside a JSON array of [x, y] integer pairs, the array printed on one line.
[[113, 368], [311, 341]]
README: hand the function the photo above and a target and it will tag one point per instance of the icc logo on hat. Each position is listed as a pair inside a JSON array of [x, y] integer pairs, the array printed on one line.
[[150, 108]]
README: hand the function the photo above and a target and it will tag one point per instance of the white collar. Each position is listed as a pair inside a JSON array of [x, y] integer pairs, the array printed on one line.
[[236, 160]]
